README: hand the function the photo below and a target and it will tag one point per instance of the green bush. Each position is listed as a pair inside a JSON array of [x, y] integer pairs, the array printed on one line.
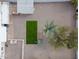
[[61, 36], [74, 3]]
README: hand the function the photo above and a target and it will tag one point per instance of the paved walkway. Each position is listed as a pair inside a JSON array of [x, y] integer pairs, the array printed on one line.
[[13, 51], [39, 51], [45, 51]]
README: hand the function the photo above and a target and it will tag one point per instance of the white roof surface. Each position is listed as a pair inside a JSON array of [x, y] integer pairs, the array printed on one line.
[[3, 34], [3, 30], [40, 0], [25, 6]]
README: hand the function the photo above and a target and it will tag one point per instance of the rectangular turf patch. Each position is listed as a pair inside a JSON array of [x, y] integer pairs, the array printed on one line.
[[31, 32]]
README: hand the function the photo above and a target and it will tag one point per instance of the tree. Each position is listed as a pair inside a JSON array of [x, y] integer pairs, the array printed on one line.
[[60, 36]]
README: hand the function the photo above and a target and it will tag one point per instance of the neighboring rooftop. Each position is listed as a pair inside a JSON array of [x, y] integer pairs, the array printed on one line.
[[38, 0]]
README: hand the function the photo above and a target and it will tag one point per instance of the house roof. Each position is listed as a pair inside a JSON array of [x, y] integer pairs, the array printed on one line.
[[39, 0]]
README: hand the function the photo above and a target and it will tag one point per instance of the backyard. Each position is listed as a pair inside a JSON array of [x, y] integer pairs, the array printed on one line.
[[38, 46]]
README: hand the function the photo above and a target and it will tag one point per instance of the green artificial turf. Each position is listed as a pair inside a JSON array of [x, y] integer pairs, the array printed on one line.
[[31, 32]]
